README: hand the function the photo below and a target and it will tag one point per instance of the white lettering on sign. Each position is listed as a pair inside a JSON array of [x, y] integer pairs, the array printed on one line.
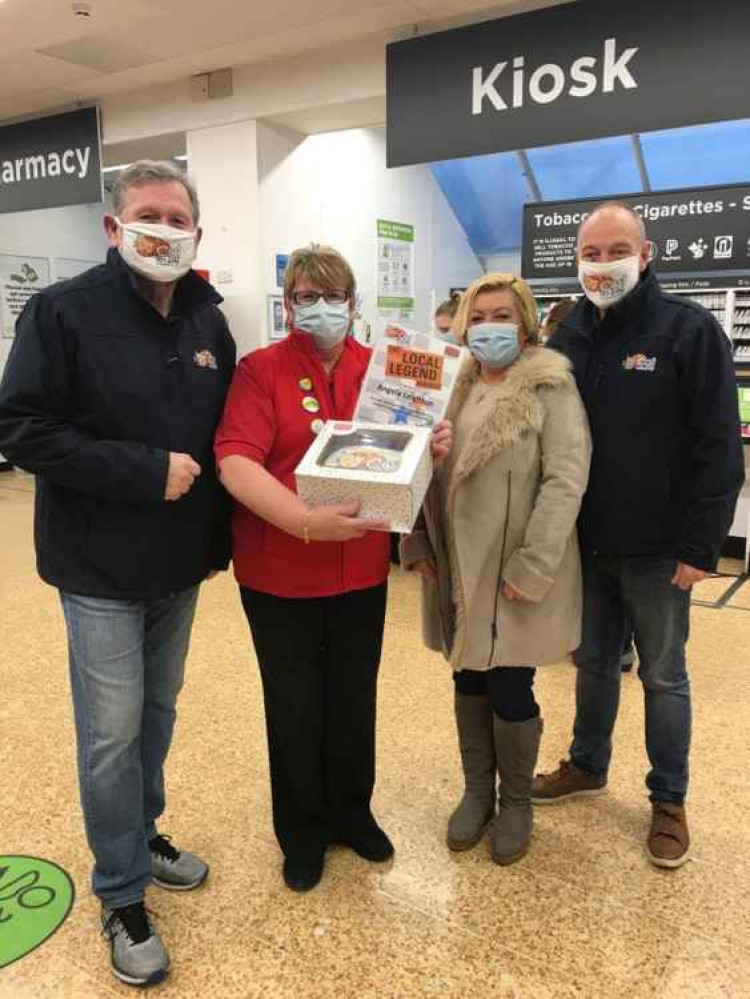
[[649, 212], [549, 82], [537, 91], [617, 69], [486, 88], [74, 162], [558, 219], [584, 77]]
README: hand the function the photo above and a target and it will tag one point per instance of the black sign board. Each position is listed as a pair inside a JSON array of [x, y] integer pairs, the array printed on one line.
[[698, 282], [567, 73], [50, 162], [699, 231], [562, 288]]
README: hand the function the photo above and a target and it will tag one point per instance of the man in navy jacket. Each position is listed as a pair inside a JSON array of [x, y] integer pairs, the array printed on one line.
[[657, 378], [111, 396]]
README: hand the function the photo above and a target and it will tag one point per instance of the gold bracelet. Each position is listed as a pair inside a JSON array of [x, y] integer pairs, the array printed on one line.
[[306, 527]]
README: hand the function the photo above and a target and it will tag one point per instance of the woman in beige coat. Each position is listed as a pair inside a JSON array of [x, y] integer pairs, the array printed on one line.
[[497, 549]]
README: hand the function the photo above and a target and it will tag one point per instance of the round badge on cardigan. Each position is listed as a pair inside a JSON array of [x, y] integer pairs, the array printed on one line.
[[311, 404], [316, 426], [306, 384]]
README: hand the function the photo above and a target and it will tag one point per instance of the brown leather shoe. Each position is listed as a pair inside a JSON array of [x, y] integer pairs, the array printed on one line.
[[668, 838], [568, 781]]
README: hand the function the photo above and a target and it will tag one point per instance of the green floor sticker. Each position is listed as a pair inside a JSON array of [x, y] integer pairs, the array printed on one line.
[[35, 899]]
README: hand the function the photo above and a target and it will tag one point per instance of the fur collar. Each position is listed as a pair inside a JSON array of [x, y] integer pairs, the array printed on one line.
[[518, 409]]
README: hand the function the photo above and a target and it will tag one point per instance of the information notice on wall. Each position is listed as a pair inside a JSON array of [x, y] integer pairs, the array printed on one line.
[[395, 270], [704, 231], [20, 278]]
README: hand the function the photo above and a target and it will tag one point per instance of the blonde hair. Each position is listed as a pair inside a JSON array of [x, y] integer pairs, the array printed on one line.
[[521, 292], [323, 266]]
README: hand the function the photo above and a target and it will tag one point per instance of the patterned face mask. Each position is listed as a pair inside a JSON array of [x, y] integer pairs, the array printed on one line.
[[157, 252]]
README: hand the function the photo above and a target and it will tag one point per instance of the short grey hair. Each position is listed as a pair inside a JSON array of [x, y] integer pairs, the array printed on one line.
[[153, 171], [622, 206]]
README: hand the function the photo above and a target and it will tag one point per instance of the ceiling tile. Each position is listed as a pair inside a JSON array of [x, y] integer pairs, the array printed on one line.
[[100, 53], [34, 72]]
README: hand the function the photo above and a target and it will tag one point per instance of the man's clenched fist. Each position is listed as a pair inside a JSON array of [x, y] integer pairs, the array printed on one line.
[[183, 472]]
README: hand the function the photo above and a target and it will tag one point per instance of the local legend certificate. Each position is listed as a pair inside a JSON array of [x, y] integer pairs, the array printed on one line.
[[409, 380]]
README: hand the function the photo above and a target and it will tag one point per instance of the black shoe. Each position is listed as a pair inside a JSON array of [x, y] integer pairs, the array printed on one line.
[[303, 873], [370, 844]]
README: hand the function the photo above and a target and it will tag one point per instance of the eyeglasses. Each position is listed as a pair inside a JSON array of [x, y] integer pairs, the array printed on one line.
[[313, 297]]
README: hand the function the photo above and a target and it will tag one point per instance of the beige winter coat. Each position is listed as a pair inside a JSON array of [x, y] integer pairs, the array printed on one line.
[[511, 505]]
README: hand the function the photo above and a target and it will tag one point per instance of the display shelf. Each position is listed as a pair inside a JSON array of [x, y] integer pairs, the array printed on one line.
[[717, 301], [731, 308]]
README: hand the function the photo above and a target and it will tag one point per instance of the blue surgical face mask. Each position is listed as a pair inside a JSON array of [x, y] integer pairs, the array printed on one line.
[[326, 323], [494, 344], [448, 336]]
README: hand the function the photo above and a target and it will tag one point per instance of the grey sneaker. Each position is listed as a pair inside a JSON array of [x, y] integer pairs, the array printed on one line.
[[174, 869], [137, 953]]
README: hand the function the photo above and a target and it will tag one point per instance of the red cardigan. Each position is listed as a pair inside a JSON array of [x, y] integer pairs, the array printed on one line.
[[265, 420]]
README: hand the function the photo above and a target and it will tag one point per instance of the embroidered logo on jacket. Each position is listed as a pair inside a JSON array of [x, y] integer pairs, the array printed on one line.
[[639, 362], [205, 359]]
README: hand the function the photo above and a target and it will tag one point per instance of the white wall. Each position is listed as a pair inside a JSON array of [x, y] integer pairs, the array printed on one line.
[[223, 161], [331, 188], [55, 232], [73, 233]]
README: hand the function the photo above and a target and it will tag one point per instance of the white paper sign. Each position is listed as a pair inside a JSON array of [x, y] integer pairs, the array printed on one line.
[[20, 278], [410, 379]]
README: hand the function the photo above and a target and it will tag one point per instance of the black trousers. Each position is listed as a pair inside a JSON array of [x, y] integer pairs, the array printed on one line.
[[319, 661], [510, 690]]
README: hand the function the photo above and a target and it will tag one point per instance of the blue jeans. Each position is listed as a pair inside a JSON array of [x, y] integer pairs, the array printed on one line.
[[638, 589], [127, 662]]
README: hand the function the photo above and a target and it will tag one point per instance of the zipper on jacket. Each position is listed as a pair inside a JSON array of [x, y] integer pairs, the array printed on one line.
[[499, 583]]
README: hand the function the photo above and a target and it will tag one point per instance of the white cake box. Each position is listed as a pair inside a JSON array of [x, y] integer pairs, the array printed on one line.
[[386, 468]]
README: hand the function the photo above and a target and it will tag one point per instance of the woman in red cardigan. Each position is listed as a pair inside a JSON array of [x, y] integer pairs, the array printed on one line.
[[312, 579]]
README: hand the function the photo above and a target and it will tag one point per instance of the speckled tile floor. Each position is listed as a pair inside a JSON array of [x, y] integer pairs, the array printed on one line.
[[584, 915]]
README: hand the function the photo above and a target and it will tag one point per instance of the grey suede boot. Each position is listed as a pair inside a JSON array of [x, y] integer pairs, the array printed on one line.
[[476, 742], [516, 749]]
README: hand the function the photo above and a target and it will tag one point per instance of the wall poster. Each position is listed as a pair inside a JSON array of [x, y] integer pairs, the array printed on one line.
[[395, 270], [20, 278]]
